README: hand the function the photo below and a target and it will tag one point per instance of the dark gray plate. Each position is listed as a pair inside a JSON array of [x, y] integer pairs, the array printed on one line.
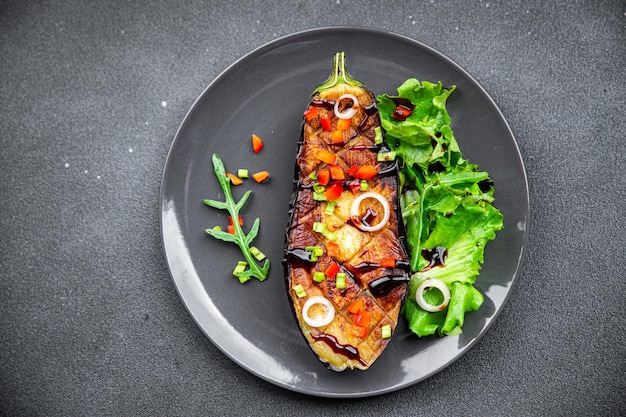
[[265, 92]]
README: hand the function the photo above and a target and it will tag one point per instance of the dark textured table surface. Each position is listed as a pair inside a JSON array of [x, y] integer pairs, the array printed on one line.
[[92, 96]]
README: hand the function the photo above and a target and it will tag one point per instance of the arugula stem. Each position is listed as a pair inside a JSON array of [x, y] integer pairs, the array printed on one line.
[[239, 237]]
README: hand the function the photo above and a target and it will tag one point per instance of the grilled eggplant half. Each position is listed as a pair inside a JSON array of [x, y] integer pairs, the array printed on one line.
[[345, 258]]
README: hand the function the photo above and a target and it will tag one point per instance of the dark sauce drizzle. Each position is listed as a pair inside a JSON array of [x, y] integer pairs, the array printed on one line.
[[384, 285], [435, 257], [348, 351]]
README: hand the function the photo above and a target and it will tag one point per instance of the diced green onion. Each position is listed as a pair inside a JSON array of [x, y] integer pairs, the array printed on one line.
[[330, 208], [386, 156], [239, 269], [258, 255], [319, 197], [340, 280], [241, 266], [330, 236], [363, 186], [319, 227], [318, 276], [378, 139], [218, 228], [243, 173], [299, 290], [313, 176], [386, 331], [316, 252], [318, 188]]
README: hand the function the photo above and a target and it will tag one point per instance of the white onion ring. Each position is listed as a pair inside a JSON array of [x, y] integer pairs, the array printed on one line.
[[329, 311], [430, 283], [354, 211], [348, 113]]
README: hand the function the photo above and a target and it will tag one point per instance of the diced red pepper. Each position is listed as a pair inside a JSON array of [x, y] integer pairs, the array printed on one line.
[[336, 137], [257, 144], [362, 318], [230, 219], [388, 263], [326, 156], [401, 112], [366, 172], [326, 121], [336, 172], [332, 249], [332, 270], [343, 124], [358, 304], [360, 331], [323, 176], [311, 113], [354, 186], [230, 229], [234, 180], [261, 176], [353, 169], [333, 191]]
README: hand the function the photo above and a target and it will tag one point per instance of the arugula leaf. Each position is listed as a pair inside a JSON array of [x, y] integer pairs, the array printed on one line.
[[241, 239], [445, 201]]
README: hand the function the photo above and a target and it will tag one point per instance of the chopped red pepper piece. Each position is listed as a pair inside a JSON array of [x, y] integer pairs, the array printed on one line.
[[235, 180], [336, 172], [362, 318], [358, 304], [388, 263], [354, 186], [311, 113], [332, 249], [230, 229], [332, 270], [326, 121], [257, 144], [326, 156], [401, 112], [230, 220], [360, 331], [366, 172], [333, 191], [261, 176], [343, 124], [336, 137], [353, 169], [323, 176]]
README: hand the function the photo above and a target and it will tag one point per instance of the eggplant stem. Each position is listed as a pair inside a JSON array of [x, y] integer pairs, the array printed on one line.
[[339, 75]]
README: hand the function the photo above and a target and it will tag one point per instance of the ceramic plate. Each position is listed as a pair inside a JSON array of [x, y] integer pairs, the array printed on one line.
[[265, 93]]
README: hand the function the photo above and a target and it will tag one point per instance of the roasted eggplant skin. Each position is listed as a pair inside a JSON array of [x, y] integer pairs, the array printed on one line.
[[372, 262]]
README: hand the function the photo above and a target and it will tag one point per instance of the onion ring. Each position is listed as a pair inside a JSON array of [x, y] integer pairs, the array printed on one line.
[[432, 283], [329, 311], [354, 211], [347, 113]]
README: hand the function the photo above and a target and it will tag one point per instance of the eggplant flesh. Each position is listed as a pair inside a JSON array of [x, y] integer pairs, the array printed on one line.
[[327, 245]]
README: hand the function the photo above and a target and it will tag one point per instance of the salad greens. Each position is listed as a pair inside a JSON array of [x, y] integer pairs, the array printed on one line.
[[446, 203], [251, 266]]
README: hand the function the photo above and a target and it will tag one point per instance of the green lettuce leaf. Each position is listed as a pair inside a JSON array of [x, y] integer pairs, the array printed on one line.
[[446, 202]]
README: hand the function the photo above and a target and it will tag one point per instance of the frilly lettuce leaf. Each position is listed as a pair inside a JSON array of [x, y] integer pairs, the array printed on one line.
[[446, 202]]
